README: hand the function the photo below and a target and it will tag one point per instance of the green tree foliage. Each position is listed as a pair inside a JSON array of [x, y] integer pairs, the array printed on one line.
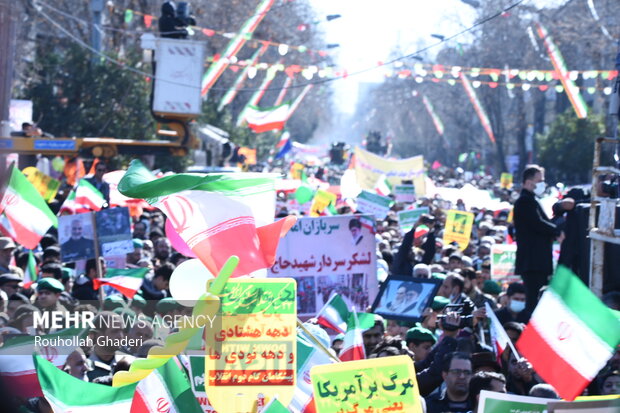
[[566, 150], [73, 96]]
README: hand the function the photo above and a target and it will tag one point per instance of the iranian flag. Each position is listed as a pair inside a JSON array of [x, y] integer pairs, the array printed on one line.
[[334, 314], [17, 368], [266, 119], [84, 198], [166, 389], [216, 215], [30, 275], [26, 211], [383, 187], [353, 344], [498, 335], [67, 394], [127, 281], [570, 336], [308, 356]]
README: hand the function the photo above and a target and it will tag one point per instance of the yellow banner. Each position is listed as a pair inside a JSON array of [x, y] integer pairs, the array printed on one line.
[[376, 385], [506, 180], [321, 200], [296, 170], [458, 228], [369, 167], [45, 184], [251, 347]]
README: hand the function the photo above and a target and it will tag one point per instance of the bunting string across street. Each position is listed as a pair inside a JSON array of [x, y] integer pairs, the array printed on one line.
[[293, 213]]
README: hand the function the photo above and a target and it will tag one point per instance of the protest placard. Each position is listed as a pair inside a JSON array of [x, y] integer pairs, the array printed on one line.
[[506, 180], [329, 254], [44, 184], [503, 258], [408, 218], [374, 204], [458, 228], [76, 237], [590, 406], [492, 402], [114, 231], [297, 170], [381, 384], [322, 199], [369, 167], [196, 367], [404, 193], [405, 298], [251, 348]]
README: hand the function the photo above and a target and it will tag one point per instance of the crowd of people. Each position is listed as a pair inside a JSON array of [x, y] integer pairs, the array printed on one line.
[[451, 348]]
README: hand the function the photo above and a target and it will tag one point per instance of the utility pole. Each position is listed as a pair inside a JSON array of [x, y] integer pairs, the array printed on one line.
[[96, 7], [8, 24]]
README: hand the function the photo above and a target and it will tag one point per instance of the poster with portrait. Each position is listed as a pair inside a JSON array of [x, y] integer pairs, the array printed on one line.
[[405, 298], [114, 231], [330, 254], [76, 237]]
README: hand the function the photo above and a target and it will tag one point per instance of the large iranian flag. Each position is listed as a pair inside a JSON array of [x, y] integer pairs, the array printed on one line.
[[166, 389], [266, 119], [570, 336], [334, 314], [26, 211], [216, 215], [127, 281], [67, 394], [16, 366]]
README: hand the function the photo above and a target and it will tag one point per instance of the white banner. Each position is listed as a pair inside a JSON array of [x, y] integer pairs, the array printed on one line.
[[375, 204], [330, 254]]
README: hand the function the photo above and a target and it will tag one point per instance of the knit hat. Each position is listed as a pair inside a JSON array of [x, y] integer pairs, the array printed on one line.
[[491, 287], [50, 284], [420, 334], [439, 303]]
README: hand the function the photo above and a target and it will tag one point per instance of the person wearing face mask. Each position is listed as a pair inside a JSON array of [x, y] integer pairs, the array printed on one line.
[[535, 234], [515, 310]]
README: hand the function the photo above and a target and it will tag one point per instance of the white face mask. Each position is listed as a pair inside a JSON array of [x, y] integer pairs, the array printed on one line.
[[517, 306], [540, 188]]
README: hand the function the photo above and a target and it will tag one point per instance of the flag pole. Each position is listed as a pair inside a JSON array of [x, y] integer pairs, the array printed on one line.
[[514, 350], [97, 255], [317, 342]]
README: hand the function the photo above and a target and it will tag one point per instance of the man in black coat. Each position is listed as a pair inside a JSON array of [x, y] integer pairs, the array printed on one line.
[[535, 234]]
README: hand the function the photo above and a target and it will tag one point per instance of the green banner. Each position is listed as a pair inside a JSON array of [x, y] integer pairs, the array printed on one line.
[[409, 217], [503, 257], [375, 204], [276, 297], [493, 402], [404, 193]]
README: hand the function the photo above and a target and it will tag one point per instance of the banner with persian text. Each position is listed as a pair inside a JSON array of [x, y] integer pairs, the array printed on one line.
[[330, 254], [251, 352], [386, 384], [370, 167]]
